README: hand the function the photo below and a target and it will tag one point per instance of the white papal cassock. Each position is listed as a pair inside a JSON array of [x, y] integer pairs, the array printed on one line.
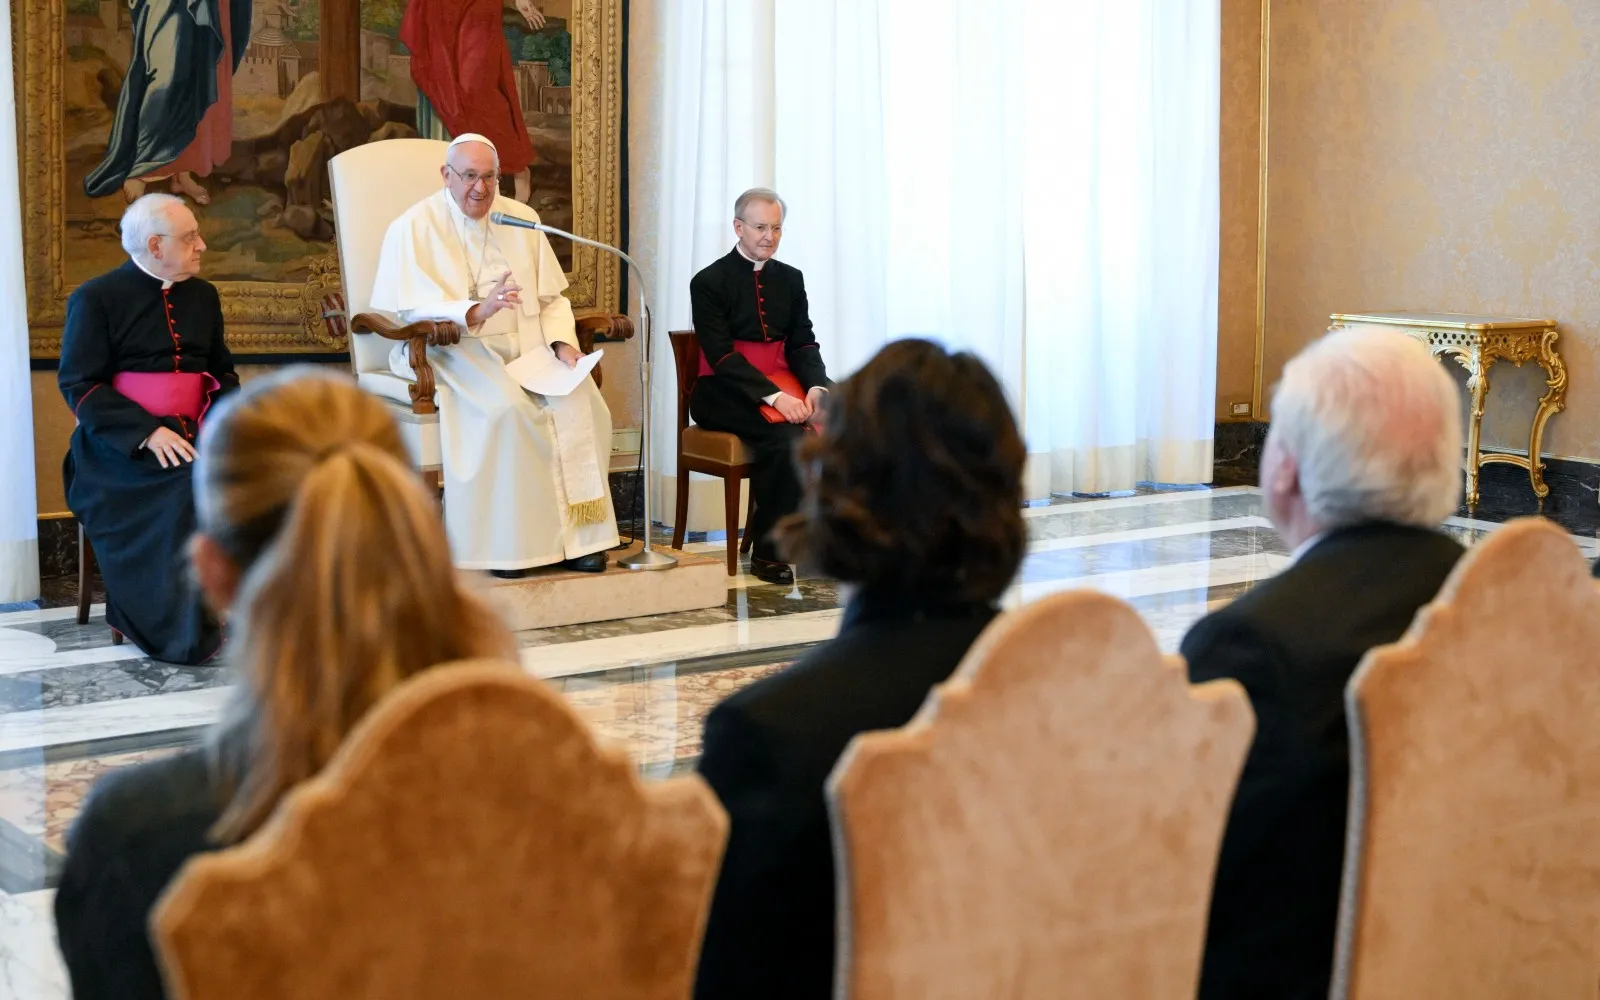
[[524, 474]]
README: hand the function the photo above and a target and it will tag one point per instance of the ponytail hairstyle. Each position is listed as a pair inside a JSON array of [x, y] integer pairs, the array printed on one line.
[[346, 586]]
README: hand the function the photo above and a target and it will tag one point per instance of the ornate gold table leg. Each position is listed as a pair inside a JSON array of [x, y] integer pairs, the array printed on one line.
[[1477, 363], [1552, 402]]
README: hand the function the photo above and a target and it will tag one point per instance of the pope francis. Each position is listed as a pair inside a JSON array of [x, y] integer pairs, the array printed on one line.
[[525, 475]]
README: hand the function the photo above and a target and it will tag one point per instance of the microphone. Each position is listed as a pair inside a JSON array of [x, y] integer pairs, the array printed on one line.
[[516, 222], [646, 558]]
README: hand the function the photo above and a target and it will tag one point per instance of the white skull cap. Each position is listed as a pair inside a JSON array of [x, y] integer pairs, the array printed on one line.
[[472, 137]]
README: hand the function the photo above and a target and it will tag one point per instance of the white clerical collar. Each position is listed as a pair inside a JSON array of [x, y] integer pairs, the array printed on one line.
[[1306, 546], [166, 283], [758, 263], [462, 218]]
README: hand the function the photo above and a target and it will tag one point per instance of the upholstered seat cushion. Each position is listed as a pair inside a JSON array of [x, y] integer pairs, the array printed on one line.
[[384, 384], [714, 446], [420, 431]]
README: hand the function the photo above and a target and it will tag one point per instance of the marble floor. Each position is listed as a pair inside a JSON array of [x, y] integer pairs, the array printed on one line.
[[73, 706]]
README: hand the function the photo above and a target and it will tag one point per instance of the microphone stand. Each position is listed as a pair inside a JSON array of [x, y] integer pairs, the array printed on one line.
[[647, 557]]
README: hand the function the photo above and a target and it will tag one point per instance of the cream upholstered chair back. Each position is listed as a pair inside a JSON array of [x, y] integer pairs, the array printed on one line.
[[1473, 864], [468, 840], [1048, 824], [372, 184]]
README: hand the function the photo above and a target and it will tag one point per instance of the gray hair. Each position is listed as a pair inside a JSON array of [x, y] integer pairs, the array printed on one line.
[[758, 194], [1374, 425], [146, 217]]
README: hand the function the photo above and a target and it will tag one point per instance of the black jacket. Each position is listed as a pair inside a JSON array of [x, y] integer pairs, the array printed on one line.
[[768, 751], [136, 830], [122, 321], [731, 301], [140, 515], [1293, 642]]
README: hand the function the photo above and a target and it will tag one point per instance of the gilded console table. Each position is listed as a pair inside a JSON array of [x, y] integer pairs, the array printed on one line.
[[1477, 342]]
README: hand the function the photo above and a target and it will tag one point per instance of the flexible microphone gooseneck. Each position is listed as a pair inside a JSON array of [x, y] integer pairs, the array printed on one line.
[[647, 557]]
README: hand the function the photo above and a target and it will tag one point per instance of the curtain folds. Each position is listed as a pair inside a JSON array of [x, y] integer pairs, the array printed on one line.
[[19, 539], [1035, 181], [1121, 241]]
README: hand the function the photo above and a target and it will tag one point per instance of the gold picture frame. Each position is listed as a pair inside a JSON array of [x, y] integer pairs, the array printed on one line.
[[286, 318]]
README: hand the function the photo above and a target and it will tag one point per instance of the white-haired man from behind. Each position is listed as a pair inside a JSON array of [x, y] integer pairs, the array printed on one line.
[[1361, 466], [142, 358]]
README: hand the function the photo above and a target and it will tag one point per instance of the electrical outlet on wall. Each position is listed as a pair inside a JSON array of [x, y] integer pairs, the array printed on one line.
[[1240, 409]]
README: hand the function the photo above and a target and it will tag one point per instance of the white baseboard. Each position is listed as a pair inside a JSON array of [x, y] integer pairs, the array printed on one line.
[[1036, 477], [624, 449], [625, 441]]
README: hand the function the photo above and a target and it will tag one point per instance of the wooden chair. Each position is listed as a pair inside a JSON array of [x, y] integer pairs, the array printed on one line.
[[1472, 869], [371, 185], [86, 582], [714, 453], [1048, 824], [470, 839], [86, 579]]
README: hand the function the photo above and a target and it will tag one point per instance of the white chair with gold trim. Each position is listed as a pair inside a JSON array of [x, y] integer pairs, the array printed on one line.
[[372, 185]]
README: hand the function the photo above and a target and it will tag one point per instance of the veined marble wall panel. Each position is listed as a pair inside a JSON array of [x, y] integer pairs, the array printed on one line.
[[1440, 154]]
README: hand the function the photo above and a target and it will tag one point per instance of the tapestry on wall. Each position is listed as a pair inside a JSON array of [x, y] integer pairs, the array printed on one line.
[[226, 104]]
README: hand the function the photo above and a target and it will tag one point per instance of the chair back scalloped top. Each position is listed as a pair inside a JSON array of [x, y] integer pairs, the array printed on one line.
[[1472, 869], [469, 839], [1048, 824]]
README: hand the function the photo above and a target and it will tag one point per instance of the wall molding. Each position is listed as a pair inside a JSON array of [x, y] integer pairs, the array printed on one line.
[[1257, 372]]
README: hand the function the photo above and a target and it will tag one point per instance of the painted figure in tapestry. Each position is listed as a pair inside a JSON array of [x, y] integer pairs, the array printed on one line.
[[175, 114], [224, 103], [461, 63]]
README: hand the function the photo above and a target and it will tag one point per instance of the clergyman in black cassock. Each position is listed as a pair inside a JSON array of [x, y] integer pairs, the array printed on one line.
[[754, 326], [138, 514]]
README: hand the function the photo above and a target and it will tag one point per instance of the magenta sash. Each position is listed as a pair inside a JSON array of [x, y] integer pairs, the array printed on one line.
[[766, 356], [169, 394]]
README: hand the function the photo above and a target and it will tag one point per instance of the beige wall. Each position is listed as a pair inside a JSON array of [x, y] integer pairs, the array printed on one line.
[[52, 428], [1240, 204], [1442, 155]]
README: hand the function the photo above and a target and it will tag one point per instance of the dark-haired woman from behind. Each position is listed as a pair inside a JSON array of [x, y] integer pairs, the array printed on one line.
[[913, 498], [320, 545]]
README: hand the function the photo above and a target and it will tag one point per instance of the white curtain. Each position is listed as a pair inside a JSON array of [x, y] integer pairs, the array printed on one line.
[[19, 538], [1033, 180], [716, 92], [1120, 231], [954, 118], [712, 81]]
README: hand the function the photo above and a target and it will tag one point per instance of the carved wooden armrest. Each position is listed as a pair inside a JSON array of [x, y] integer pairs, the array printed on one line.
[[612, 326], [417, 337]]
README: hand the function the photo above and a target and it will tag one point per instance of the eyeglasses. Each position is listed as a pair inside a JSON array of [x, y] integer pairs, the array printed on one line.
[[472, 177], [188, 239]]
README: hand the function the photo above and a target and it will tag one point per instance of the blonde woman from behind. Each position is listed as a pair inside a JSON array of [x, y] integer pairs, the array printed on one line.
[[325, 554]]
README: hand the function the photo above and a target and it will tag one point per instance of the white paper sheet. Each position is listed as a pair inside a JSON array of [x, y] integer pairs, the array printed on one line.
[[543, 372]]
